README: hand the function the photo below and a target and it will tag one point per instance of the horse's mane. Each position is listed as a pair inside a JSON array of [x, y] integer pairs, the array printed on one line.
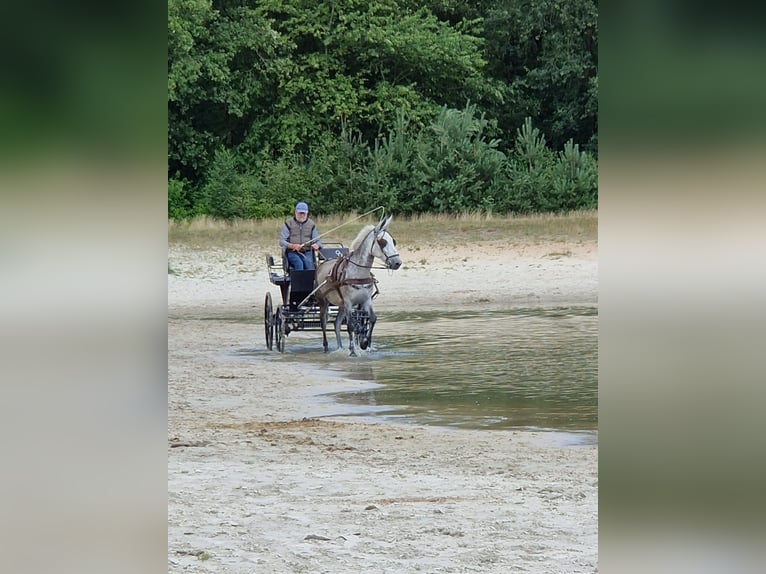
[[360, 236]]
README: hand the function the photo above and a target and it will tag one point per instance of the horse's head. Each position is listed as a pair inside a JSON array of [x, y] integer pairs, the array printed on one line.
[[384, 246]]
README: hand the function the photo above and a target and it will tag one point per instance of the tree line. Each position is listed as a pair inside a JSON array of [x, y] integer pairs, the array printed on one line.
[[429, 106]]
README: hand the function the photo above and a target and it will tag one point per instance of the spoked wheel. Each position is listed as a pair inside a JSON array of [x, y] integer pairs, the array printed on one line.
[[279, 330], [268, 321]]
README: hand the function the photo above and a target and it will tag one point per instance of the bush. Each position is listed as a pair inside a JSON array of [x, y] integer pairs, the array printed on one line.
[[179, 203], [453, 165], [458, 162], [575, 179], [544, 181], [225, 193]]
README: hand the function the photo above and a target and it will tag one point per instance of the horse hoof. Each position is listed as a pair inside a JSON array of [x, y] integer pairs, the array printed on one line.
[[352, 354]]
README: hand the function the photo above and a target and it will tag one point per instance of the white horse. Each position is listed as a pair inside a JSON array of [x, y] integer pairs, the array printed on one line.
[[348, 283]]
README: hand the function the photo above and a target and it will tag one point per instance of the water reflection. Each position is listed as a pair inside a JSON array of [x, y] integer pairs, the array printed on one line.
[[525, 368]]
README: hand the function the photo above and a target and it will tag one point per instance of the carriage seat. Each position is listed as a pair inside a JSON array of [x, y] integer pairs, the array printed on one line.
[[277, 272], [332, 252]]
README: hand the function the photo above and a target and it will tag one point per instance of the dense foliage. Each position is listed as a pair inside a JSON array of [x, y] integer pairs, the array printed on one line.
[[436, 106]]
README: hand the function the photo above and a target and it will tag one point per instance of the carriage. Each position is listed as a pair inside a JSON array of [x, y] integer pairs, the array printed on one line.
[[300, 310], [339, 290]]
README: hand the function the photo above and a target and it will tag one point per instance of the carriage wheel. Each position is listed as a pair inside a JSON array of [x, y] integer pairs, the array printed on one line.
[[268, 322], [279, 329]]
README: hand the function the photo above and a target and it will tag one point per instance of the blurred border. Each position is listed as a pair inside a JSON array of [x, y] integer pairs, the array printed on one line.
[[682, 288], [83, 126]]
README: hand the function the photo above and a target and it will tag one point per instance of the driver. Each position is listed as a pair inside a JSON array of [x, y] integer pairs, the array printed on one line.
[[299, 239]]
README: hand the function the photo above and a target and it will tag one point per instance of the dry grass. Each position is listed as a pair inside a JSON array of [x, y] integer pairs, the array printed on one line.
[[462, 229]]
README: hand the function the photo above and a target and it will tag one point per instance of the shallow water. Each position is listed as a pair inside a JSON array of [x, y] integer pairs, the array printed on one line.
[[524, 368]]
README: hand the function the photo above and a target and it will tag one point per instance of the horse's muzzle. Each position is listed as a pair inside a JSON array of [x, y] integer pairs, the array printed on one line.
[[394, 263]]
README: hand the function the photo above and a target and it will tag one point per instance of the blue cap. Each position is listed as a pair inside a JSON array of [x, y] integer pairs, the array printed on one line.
[[302, 207]]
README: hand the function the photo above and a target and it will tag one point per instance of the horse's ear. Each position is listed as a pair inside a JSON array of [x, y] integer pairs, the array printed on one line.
[[383, 225]]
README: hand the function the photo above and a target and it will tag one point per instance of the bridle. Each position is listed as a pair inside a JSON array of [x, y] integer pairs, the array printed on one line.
[[382, 242]]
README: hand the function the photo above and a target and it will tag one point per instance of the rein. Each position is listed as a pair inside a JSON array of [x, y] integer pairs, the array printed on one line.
[[310, 241], [372, 266]]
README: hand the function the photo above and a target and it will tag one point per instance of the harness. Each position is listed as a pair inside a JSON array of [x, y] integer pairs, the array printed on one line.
[[337, 279], [338, 272]]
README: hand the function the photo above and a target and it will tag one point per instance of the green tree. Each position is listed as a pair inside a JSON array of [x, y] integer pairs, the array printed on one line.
[[575, 179], [355, 65], [179, 203], [391, 177], [545, 54], [458, 165], [226, 193], [353, 104], [542, 180], [223, 62]]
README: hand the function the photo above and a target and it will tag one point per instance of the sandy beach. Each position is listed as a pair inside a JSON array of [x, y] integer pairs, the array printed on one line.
[[257, 482]]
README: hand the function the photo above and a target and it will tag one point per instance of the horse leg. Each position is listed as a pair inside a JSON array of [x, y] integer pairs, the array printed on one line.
[[323, 308], [350, 324], [338, 322], [367, 339]]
